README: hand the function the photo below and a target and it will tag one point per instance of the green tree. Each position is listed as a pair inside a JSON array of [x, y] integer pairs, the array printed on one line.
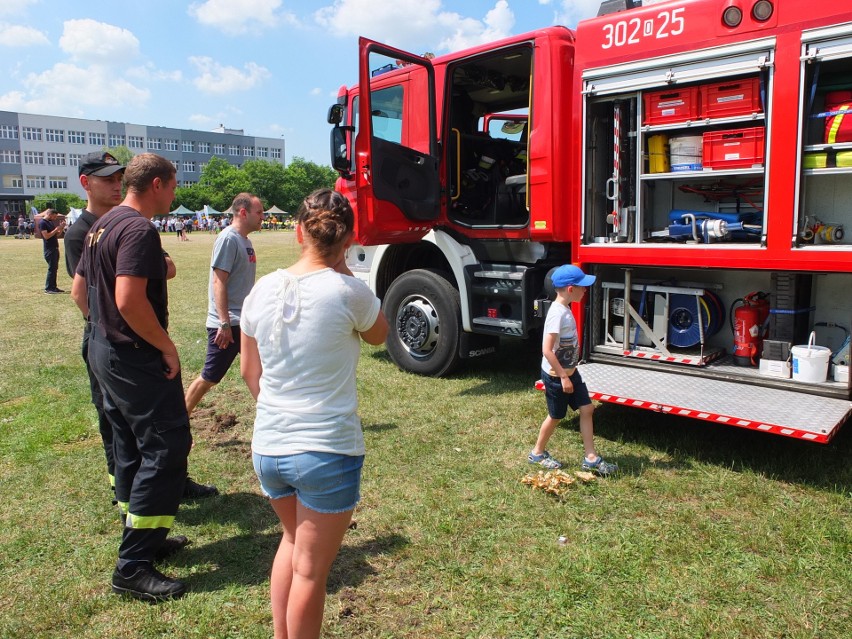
[[267, 180], [301, 178], [120, 153], [59, 202], [221, 181]]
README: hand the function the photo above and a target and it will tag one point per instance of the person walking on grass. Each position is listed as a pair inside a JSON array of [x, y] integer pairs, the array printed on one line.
[[232, 271], [563, 385], [120, 285], [301, 333]]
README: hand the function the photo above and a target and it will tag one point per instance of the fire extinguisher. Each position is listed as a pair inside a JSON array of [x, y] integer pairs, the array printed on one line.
[[747, 323]]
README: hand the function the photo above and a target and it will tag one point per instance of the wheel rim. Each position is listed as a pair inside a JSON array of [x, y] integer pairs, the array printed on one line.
[[418, 326]]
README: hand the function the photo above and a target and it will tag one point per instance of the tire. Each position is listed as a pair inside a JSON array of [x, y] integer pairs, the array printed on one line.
[[423, 310]]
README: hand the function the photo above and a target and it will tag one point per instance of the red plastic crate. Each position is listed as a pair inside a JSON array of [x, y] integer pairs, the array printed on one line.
[[734, 148], [732, 98], [672, 105]]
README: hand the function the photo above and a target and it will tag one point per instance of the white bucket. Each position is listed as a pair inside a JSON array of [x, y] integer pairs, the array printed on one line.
[[685, 153], [810, 363]]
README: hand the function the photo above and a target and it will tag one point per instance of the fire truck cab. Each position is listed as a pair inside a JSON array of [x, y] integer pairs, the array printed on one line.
[[692, 154]]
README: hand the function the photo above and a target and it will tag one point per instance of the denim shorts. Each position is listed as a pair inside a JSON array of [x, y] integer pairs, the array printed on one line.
[[324, 482], [558, 400]]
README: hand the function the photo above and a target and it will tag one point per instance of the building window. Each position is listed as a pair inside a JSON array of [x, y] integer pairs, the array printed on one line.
[[188, 166], [204, 147], [135, 142], [175, 164], [116, 139], [60, 183], [262, 152], [8, 131], [55, 159], [201, 166], [233, 149], [36, 182], [276, 154], [32, 133], [187, 146], [33, 157], [10, 156], [54, 135], [74, 159], [248, 151], [171, 145], [77, 137], [97, 139], [219, 149], [154, 144], [13, 182]]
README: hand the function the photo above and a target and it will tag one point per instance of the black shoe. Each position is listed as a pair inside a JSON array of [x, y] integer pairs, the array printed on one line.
[[53, 291], [170, 546], [193, 490], [147, 584]]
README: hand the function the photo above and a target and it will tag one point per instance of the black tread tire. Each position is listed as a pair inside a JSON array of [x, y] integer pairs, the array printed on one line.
[[429, 290]]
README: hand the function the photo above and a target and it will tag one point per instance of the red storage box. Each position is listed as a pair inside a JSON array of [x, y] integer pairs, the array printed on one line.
[[733, 149], [671, 105], [838, 127], [732, 98]]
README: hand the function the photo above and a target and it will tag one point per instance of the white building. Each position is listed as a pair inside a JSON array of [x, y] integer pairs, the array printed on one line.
[[41, 153]]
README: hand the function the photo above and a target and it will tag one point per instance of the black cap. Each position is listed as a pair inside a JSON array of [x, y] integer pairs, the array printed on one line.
[[99, 163]]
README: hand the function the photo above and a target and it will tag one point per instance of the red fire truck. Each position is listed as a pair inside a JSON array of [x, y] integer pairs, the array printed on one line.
[[695, 155]]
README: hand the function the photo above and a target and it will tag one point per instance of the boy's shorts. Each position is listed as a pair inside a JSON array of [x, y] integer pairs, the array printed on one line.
[[558, 401], [219, 360], [323, 482]]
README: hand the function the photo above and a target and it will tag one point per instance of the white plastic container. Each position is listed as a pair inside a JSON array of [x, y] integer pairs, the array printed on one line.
[[810, 363], [841, 373], [685, 152]]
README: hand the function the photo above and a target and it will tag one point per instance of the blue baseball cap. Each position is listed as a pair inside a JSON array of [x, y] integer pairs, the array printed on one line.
[[570, 275]]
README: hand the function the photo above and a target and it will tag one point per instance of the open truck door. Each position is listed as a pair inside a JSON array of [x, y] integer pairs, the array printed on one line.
[[396, 147]]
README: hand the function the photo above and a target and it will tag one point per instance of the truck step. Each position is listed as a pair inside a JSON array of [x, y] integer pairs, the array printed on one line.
[[782, 412]]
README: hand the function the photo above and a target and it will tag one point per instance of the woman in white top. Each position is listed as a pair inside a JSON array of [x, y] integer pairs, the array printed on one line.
[[301, 333]]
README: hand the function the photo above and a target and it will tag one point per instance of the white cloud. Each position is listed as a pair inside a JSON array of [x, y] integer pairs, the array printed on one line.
[[15, 7], [316, 91], [572, 11], [14, 35], [149, 72], [236, 17], [218, 79], [415, 25], [498, 23], [69, 89], [97, 42]]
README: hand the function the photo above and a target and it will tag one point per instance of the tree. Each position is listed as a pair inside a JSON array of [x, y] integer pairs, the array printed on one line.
[[303, 177], [267, 180], [59, 202], [120, 153]]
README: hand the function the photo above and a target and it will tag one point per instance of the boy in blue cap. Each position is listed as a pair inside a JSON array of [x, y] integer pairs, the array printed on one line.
[[563, 385]]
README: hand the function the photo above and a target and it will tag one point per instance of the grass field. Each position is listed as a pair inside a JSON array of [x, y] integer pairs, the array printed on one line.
[[706, 532]]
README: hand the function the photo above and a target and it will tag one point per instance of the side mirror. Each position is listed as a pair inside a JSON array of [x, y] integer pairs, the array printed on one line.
[[336, 113], [340, 160]]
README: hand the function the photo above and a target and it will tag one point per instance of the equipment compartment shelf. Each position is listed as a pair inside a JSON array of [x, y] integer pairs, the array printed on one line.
[[704, 173], [703, 123]]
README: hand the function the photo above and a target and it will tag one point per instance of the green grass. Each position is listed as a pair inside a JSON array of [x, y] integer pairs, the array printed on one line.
[[707, 531]]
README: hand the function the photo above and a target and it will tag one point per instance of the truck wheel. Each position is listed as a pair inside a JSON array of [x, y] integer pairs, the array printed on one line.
[[423, 310]]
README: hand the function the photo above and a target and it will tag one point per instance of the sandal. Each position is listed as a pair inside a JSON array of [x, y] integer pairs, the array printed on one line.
[[544, 460], [600, 466]]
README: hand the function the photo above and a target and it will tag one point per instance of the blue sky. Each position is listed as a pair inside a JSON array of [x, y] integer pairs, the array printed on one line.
[[269, 67]]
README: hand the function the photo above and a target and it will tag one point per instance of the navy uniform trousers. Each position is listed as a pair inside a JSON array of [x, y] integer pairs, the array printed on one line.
[[104, 426], [151, 442]]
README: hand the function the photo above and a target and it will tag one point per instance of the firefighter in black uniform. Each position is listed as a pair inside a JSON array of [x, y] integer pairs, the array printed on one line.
[[120, 285]]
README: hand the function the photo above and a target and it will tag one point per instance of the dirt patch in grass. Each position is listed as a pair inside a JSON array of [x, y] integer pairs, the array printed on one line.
[[216, 427]]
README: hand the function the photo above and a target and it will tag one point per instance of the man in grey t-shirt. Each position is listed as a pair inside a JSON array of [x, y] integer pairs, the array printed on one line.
[[232, 273]]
